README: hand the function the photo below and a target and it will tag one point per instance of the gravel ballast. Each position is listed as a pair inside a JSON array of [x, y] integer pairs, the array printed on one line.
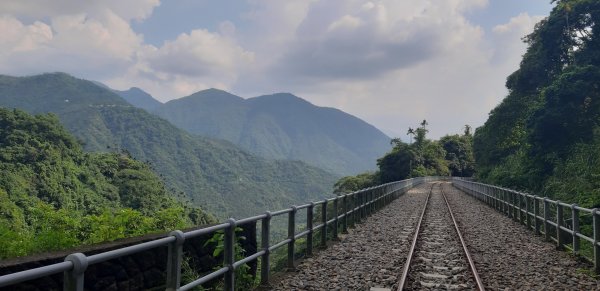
[[371, 255], [510, 257], [506, 254]]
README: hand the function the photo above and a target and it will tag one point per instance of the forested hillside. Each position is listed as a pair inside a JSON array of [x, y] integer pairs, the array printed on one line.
[[213, 174], [545, 135], [281, 126], [54, 195]]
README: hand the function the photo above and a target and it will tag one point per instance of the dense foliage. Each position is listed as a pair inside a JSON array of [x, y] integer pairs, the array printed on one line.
[[544, 136], [451, 155], [215, 175], [53, 195], [281, 126]]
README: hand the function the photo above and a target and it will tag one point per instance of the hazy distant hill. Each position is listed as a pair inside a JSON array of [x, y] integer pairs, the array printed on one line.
[[281, 126], [215, 174], [139, 98]]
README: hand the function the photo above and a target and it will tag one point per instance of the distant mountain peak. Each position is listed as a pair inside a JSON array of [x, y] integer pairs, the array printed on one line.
[[139, 98], [281, 98], [212, 95], [282, 126]]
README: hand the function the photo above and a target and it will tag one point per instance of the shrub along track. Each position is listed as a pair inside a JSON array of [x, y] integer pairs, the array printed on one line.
[[508, 256]]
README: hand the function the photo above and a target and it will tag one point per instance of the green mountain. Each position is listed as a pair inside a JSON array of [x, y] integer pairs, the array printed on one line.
[[54, 195], [213, 174], [281, 126], [544, 136], [139, 98]]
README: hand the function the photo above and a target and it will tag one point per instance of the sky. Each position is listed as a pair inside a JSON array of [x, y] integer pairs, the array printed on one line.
[[391, 63]]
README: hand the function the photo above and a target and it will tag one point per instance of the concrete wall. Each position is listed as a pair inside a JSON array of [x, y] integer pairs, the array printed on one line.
[[141, 271]]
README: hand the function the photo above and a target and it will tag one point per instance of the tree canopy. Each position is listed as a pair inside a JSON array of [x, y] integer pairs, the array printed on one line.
[[53, 195], [451, 155], [546, 130]]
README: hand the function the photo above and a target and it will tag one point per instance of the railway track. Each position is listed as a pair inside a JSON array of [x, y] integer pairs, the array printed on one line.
[[438, 258]]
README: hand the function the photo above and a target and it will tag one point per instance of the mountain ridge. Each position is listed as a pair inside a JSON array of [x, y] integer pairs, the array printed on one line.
[[281, 126], [214, 174]]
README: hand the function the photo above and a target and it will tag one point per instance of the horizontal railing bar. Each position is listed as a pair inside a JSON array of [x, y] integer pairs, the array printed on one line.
[[282, 211], [202, 231], [250, 219], [216, 274], [566, 229], [586, 210], [299, 235], [280, 244], [26, 275], [248, 259], [318, 227], [102, 257], [302, 206], [581, 235]]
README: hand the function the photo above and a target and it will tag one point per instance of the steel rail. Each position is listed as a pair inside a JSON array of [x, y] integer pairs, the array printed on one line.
[[464, 245], [414, 243]]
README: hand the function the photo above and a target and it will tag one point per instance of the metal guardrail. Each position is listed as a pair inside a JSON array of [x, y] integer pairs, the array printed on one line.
[[356, 206], [551, 220]]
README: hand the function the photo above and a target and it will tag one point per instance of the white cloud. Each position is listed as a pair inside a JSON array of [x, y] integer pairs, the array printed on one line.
[[394, 63], [78, 44], [390, 62], [17, 37], [44, 9], [107, 35], [357, 40], [200, 53]]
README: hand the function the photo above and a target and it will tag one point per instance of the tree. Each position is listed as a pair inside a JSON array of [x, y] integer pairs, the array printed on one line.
[[411, 134]]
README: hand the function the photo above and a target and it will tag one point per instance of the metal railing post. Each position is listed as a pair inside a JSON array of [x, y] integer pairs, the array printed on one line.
[[520, 201], [229, 255], [527, 210], [596, 226], [506, 207], [494, 197], [515, 209], [575, 221], [559, 223], [74, 278], [324, 228], [546, 218], [363, 206], [174, 261], [368, 204], [265, 264], [353, 208], [536, 211], [345, 221], [335, 218], [291, 236], [309, 226]]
